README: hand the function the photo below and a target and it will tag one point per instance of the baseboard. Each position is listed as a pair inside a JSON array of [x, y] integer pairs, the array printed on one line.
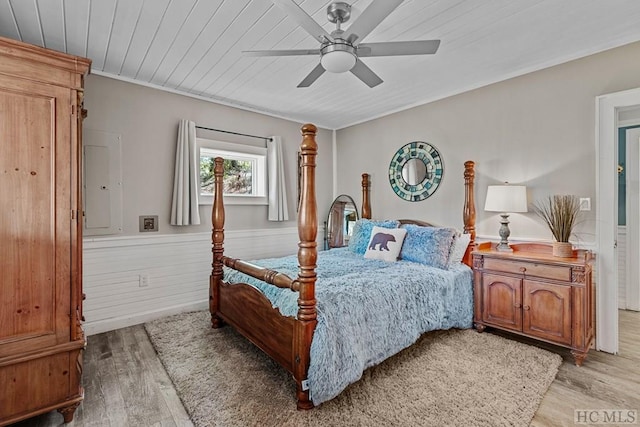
[[98, 327]]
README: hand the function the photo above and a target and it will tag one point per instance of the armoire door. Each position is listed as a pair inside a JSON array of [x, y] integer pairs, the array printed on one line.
[[35, 220]]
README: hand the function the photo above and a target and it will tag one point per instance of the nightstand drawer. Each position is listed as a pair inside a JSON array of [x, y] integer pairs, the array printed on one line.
[[554, 272]]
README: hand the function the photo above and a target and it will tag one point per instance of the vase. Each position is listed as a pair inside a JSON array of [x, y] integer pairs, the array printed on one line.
[[562, 249]]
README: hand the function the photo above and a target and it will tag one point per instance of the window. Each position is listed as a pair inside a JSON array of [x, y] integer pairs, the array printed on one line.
[[245, 172]]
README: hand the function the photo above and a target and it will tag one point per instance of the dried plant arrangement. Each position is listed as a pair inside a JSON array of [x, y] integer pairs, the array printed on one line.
[[560, 213]]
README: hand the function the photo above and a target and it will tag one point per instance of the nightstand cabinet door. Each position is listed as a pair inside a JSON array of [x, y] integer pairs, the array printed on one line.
[[546, 310], [502, 298]]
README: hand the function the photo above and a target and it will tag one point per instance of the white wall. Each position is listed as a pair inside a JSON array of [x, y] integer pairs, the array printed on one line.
[[147, 119], [537, 130], [176, 268]]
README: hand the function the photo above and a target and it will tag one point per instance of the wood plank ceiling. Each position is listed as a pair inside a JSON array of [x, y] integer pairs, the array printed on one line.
[[194, 47]]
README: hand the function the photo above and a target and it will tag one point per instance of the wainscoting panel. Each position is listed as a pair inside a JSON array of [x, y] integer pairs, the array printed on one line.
[[622, 267], [134, 279]]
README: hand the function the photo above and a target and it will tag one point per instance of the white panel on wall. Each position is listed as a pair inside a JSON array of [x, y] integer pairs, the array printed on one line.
[[131, 280], [622, 270], [96, 183], [102, 183]]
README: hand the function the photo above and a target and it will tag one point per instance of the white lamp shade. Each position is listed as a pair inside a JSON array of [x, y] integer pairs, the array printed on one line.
[[338, 61], [506, 198]]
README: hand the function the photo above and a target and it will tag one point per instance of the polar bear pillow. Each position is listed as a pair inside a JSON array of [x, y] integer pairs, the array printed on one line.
[[385, 243]]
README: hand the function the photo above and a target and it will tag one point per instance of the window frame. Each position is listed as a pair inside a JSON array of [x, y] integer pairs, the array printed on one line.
[[258, 155]]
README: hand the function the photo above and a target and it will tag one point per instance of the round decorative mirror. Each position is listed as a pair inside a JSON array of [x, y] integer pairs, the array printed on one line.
[[416, 171], [343, 214]]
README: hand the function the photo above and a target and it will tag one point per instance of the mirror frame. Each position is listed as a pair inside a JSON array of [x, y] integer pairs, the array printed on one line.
[[327, 223], [432, 160]]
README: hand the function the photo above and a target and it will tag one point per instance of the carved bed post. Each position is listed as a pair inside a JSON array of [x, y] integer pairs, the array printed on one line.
[[307, 257], [217, 220], [469, 210], [366, 203]]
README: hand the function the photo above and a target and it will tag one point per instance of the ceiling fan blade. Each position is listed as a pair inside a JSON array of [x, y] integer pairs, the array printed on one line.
[[312, 76], [304, 20], [365, 74], [417, 47], [290, 52], [370, 18]]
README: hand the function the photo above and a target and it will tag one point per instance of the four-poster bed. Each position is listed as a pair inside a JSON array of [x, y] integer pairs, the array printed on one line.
[[287, 335]]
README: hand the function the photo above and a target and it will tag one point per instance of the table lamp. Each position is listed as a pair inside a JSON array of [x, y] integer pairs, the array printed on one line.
[[506, 199]]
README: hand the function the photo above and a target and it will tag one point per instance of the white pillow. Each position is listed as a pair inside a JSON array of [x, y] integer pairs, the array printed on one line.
[[385, 243], [460, 244]]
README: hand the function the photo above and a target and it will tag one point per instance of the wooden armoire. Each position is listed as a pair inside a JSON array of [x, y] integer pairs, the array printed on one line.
[[41, 338]]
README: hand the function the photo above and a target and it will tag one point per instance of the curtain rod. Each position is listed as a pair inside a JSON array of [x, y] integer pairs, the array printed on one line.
[[266, 138]]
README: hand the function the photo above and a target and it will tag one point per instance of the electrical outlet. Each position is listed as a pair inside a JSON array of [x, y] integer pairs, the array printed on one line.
[[585, 203], [143, 280]]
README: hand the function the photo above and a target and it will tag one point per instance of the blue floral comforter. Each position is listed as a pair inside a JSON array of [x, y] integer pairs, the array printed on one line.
[[368, 310]]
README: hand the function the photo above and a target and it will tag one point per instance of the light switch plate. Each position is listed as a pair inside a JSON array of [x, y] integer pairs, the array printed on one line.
[[585, 203]]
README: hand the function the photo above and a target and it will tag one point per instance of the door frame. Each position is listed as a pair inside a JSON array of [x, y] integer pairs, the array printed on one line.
[[606, 215]]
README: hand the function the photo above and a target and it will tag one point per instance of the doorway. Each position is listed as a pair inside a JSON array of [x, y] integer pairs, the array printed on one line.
[[607, 110]]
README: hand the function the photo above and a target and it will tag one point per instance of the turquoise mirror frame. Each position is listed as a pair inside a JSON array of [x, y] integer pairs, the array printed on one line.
[[426, 185]]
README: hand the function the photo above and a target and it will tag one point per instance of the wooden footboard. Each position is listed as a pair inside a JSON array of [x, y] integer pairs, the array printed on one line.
[[247, 309], [287, 340]]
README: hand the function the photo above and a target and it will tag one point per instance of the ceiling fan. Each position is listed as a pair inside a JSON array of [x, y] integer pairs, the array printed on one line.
[[341, 50]]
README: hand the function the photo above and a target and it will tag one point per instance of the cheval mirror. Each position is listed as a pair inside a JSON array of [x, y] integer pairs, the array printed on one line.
[[343, 214]]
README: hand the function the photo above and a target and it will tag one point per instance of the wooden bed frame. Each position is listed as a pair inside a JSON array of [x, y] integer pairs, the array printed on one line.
[[287, 339]]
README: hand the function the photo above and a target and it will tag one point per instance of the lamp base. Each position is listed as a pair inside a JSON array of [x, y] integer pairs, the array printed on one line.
[[503, 247]]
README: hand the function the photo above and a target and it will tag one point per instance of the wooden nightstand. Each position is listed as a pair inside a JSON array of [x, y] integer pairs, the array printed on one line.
[[530, 292]]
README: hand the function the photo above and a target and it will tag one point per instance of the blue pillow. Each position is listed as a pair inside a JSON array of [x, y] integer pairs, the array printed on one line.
[[428, 245], [362, 233]]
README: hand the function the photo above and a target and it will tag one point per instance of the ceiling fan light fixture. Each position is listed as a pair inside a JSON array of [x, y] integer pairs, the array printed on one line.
[[338, 58]]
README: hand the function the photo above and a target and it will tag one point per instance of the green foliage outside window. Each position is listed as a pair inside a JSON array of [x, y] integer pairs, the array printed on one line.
[[237, 178]]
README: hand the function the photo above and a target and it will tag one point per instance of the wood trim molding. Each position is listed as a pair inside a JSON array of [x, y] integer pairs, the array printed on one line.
[[135, 240]]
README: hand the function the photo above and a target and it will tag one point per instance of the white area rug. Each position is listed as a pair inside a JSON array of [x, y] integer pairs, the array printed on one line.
[[447, 378]]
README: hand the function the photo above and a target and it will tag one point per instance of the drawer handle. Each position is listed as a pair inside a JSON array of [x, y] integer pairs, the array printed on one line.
[[526, 307], [523, 269]]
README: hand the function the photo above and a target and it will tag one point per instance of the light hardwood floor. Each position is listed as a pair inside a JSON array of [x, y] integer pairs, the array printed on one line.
[[604, 381], [126, 385]]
